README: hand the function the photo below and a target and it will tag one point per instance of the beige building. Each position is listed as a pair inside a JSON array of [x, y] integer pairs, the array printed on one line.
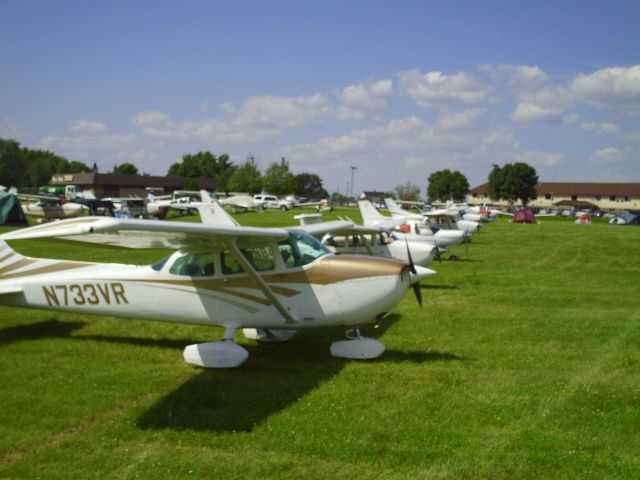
[[587, 196]]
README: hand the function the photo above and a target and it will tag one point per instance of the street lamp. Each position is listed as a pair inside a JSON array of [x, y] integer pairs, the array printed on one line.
[[353, 169]]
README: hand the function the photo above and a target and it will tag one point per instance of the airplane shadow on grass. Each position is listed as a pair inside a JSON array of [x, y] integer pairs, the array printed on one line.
[[236, 400]]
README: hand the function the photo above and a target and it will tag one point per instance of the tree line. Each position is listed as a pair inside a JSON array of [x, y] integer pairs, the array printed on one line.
[[24, 168]]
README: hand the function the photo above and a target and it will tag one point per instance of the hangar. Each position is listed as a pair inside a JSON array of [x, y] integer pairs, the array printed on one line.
[[116, 185]]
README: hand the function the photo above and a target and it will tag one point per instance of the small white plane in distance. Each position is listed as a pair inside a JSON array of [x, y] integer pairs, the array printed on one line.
[[183, 200], [241, 203], [233, 277], [49, 207], [367, 240], [452, 223], [441, 238]]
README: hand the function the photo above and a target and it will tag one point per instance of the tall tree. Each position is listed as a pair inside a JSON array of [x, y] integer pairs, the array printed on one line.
[[408, 191], [205, 164], [125, 169], [512, 182], [246, 178], [447, 185], [278, 180], [310, 185], [23, 167]]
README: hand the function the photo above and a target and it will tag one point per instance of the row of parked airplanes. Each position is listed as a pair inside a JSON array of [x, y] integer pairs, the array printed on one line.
[[66, 202], [267, 282]]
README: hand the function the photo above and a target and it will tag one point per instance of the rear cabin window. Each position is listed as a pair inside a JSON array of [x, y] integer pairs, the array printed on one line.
[[193, 265], [261, 258]]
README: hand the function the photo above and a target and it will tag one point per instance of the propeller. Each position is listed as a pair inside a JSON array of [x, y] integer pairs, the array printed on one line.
[[412, 268]]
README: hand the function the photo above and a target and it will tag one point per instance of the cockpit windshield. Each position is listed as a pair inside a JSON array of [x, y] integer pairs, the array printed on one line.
[[301, 249]]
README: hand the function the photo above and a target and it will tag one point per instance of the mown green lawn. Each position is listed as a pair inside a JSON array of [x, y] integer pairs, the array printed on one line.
[[524, 363]]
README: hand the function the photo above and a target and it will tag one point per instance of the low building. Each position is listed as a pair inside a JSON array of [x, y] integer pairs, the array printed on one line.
[[583, 196], [116, 185]]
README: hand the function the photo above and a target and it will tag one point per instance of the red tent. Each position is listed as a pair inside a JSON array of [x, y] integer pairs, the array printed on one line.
[[524, 216]]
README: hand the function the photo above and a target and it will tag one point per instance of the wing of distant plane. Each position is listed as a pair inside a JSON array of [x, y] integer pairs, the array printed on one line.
[[134, 233]]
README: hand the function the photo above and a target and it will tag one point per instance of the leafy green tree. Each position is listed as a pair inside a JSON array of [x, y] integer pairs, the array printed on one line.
[[310, 185], [205, 164], [408, 191], [512, 182], [246, 178], [125, 169], [23, 167], [445, 185], [12, 165], [338, 198], [278, 180]]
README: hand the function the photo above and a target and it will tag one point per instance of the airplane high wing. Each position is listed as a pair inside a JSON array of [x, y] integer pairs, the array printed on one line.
[[233, 277]]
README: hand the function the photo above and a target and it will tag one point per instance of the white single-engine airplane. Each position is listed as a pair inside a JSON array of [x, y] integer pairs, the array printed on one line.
[[277, 280]]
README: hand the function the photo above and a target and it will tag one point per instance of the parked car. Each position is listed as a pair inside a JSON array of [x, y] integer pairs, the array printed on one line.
[[271, 201]]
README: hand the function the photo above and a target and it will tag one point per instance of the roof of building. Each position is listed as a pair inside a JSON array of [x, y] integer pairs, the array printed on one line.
[[94, 178], [583, 189]]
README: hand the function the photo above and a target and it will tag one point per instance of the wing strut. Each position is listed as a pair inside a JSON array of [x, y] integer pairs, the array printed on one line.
[[261, 284]]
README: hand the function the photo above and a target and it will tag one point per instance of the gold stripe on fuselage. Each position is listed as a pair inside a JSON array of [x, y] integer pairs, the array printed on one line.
[[56, 267]]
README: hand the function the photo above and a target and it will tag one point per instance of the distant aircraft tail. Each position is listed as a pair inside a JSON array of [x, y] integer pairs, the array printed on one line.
[[212, 213], [370, 216], [395, 209]]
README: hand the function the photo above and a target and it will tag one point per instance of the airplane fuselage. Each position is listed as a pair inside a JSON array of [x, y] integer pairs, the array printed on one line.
[[332, 290]]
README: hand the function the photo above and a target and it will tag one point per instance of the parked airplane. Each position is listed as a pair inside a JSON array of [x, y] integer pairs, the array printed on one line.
[[417, 223], [232, 277], [50, 208], [368, 240]]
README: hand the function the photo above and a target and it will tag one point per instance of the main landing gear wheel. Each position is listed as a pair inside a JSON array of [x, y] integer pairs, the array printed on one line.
[[268, 336], [357, 347], [225, 354]]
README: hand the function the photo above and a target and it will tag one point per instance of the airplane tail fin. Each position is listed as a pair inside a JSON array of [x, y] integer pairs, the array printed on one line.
[[369, 213], [212, 213], [10, 260], [205, 197]]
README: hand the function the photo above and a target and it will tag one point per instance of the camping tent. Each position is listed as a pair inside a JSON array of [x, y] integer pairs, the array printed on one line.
[[10, 210], [524, 216]]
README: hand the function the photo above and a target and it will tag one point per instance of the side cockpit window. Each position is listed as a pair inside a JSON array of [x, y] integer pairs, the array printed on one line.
[[193, 265], [300, 249]]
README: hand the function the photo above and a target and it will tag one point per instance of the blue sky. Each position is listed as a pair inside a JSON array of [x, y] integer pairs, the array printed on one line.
[[398, 89]]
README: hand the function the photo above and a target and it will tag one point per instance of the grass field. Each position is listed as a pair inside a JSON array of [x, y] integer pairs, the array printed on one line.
[[524, 363]]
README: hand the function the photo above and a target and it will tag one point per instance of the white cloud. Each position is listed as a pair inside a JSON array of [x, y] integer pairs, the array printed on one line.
[[257, 119], [571, 119], [518, 78], [150, 118], [366, 96], [605, 128], [462, 119], [9, 130], [546, 159], [88, 143], [87, 126], [608, 155], [530, 112], [616, 88], [434, 88]]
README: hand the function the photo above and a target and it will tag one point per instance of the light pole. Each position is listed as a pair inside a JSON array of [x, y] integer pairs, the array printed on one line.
[[353, 169]]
